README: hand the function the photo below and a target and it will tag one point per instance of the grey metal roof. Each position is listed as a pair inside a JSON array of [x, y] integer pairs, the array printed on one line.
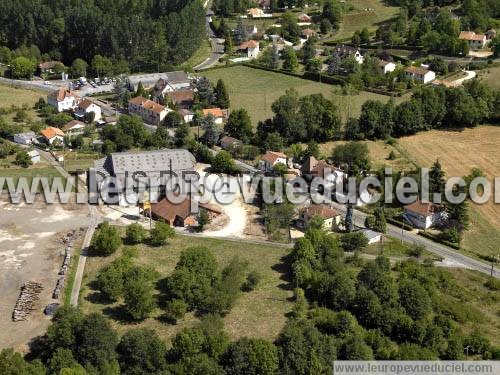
[[26, 136], [150, 79], [152, 161]]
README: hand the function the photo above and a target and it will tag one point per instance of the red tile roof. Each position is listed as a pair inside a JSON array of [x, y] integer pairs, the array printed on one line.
[[320, 210], [147, 104], [216, 112], [70, 125], [249, 44], [416, 70], [62, 94], [50, 132], [425, 209], [272, 156], [471, 35]]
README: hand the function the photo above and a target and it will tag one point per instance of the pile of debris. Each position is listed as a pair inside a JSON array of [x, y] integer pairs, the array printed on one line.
[[67, 241], [29, 295]]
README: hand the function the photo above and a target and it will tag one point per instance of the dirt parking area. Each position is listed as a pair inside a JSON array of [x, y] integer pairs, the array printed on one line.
[[31, 250]]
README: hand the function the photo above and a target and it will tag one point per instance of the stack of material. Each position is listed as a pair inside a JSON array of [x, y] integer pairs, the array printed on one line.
[[66, 262], [58, 288], [29, 295]]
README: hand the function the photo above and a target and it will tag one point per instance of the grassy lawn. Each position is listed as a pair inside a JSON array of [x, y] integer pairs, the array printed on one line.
[[458, 152], [10, 96], [491, 76], [76, 160], [260, 313], [200, 55], [29, 173], [256, 90], [393, 248]]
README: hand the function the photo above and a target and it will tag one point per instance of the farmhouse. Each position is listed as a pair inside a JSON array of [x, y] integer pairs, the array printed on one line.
[[74, 127], [181, 214], [217, 113], [51, 135], [50, 67], [424, 215], [186, 114], [25, 138], [251, 48], [476, 41], [148, 110], [63, 100], [420, 74], [87, 106], [312, 168], [386, 66], [331, 218], [270, 159], [34, 156], [155, 168]]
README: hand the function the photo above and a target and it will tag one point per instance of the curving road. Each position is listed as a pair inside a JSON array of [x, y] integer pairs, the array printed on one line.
[[217, 51]]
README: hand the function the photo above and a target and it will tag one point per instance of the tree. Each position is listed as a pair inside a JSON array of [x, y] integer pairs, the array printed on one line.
[[12, 363], [437, 181], [211, 131], [289, 27], [182, 135], [176, 309], [140, 91], [138, 292], [79, 68], [332, 12], [365, 36], [203, 219], [239, 125], [22, 67], [353, 241], [106, 241], [309, 50], [135, 233], [160, 233], [414, 299], [380, 225], [221, 95], [353, 156], [223, 163], [23, 159], [325, 26], [141, 351], [290, 61], [205, 93], [102, 65], [110, 278], [354, 348], [251, 356], [61, 358], [96, 341]]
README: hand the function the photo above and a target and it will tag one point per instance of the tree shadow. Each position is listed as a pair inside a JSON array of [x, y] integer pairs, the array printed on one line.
[[283, 268], [118, 313]]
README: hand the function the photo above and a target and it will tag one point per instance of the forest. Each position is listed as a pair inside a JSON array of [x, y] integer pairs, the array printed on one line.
[[147, 34]]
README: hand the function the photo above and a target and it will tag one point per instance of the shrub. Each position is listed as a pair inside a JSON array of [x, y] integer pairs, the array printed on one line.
[[135, 233], [160, 233], [176, 309], [252, 281], [492, 284], [416, 251]]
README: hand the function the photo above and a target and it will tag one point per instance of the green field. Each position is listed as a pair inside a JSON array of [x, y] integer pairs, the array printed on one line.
[[11, 96], [256, 90], [200, 55], [491, 76], [260, 313], [364, 13]]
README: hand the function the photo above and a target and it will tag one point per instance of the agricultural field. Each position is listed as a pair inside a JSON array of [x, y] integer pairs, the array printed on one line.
[[256, 90], [260, 313], [459, 152], [364, 13]]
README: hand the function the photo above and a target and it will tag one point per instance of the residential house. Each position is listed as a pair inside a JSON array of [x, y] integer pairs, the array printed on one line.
[[50, 67], [251, 48], [256, 13], [302, 17], [331, 218], [420, 74], [51, 135], [343, 51], [270, 159], [424, 215], [372, 236], [386, 66], [181, 214], [26, 138], [307, 33], [63, 100], [150, 111], [34, 156], [181, 98], [230, 143], [476, 41], [87, 106], [74, 127], [312, 168], [217, 113], [186, 114]]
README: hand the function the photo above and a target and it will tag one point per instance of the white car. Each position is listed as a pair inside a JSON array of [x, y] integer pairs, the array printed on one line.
[[47, 83]]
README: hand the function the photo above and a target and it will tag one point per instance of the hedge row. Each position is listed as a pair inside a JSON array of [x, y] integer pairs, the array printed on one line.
[[435, 238], [399, 224]]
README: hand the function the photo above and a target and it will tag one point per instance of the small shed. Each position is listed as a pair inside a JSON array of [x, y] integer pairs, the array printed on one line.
[[372, 236]]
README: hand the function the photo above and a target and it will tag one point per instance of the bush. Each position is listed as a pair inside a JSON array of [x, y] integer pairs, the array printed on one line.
[[450, 235], [176, 309], [492, 284], [135, 233], [353, 241], [106, 241], [416, 251], [160, 233], [252, 281]]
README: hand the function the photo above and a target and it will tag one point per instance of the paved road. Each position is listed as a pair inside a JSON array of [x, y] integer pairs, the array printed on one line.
[[434, 247], [216, 51]]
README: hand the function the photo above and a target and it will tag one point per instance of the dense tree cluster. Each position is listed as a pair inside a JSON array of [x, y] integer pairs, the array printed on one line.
[[142, 35], [429, 108]]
